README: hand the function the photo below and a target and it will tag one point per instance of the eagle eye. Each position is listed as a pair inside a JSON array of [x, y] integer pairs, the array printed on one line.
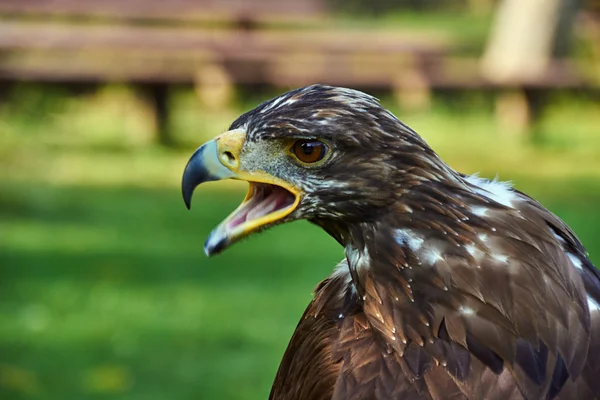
[[309, 151]]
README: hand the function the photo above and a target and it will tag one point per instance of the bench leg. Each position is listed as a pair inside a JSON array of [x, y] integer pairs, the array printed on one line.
[[5, 88], [158, 97], [513, 111], [214, 87], [519, 110], [412, 91]]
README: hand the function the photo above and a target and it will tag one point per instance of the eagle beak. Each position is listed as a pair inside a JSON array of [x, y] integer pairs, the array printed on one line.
[[268, 201]]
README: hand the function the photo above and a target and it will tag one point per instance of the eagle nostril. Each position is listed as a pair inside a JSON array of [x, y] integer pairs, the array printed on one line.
[[229, 156]]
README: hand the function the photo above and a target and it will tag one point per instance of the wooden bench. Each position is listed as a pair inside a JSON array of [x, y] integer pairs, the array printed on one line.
[[172, 11], [519, 100], [51, 51], [209, 43], [215, 44]]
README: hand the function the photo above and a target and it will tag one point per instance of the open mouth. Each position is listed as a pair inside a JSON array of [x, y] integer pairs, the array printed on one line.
[[263, 204]]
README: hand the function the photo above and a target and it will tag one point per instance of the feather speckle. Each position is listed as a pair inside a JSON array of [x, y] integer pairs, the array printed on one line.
[[575, 260], [409, 238], [479, 211], [593, 304]]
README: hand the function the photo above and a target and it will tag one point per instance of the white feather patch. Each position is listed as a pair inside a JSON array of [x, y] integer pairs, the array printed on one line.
[[342, 271], [500, 192], [479, 211], [500, 257], [289, 101], [272, 105], [433, 255], [408, 238], [575, 260], [559, 238], [356, 258], [473, 251], [593, 304], [466, 310]]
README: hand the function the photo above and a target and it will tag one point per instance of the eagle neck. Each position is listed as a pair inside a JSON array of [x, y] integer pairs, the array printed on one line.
[[370, 249], [397, 249]]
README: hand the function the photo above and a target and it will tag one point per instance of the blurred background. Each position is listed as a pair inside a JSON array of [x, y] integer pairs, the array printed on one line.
[[104, 289]]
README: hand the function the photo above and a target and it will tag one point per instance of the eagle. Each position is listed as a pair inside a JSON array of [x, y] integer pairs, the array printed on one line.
[[452, 286]]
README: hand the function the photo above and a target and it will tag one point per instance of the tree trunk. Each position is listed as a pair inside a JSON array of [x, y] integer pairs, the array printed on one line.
[[526, 34]]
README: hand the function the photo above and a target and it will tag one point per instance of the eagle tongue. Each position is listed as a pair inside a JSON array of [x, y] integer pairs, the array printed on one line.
[[264, 200], [267, 205], [242, 214]]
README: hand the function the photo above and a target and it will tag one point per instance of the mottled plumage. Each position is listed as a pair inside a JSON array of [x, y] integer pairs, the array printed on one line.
[[452, 286]]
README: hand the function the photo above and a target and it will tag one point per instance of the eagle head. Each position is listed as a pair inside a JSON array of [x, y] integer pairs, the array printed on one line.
[[333, 156]]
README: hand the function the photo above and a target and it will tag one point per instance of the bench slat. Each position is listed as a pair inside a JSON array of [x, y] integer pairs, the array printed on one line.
[[177, 10]]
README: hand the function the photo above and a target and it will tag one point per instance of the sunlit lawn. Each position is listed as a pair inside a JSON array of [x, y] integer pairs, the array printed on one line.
[[105, 290], [108, 292]]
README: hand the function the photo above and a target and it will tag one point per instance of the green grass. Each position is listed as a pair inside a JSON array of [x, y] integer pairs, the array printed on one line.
[[105, 290]]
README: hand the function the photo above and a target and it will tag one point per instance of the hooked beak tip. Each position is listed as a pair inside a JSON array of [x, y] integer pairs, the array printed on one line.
[[187, 198], [194, 174], [203, 166], [206, 163]]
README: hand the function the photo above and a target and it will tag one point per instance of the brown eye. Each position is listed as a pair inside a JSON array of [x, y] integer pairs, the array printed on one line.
[[309, 151]]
